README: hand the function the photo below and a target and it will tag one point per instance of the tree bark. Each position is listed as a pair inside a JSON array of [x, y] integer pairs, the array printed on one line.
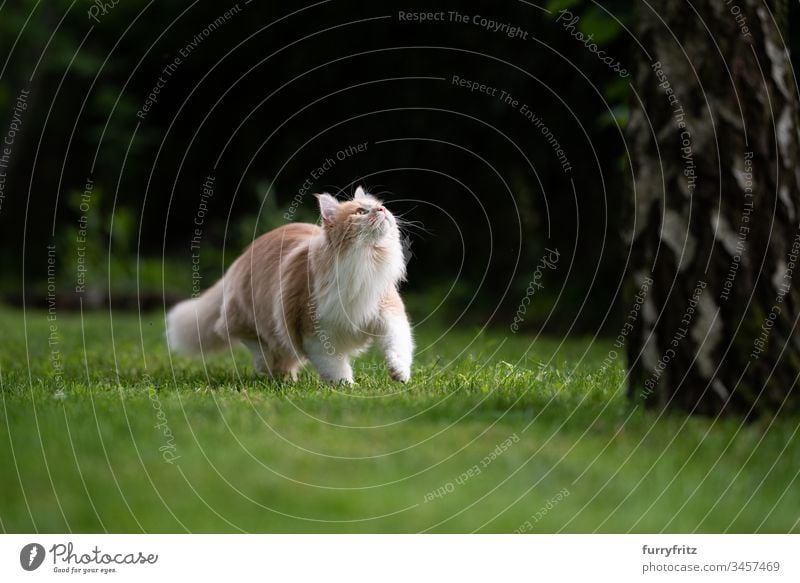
[[714, 215]]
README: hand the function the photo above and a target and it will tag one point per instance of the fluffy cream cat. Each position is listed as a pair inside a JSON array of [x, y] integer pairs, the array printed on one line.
[[303, 292]]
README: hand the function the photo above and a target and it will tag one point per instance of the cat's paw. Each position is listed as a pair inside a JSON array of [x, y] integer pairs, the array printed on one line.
[[343, 381], [401, 375]]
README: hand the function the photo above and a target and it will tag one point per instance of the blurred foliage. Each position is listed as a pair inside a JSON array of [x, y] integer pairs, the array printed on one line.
[[259, 106]]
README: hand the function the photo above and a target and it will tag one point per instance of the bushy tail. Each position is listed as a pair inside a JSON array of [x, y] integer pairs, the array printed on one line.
[[190, 324]]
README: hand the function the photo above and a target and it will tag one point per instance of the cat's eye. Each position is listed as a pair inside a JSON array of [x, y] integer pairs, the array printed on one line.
[[361, 211]]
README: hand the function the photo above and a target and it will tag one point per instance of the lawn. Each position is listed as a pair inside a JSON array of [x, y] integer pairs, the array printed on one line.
[[497, 432]]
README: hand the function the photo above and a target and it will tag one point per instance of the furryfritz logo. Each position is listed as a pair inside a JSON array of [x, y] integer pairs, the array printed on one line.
[[31, 556]]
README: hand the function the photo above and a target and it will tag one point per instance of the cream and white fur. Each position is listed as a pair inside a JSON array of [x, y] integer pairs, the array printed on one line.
[[303, 292]]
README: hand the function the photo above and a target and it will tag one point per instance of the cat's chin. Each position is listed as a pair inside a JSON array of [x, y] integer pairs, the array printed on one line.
[[383, 226]]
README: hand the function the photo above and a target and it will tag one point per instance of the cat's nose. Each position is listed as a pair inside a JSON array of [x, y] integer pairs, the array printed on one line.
[[380, 209]]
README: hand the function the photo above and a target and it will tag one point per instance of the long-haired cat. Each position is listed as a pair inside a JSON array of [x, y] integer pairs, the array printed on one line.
[[303, 292]]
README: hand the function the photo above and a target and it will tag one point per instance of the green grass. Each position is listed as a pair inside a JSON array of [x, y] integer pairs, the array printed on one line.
[[84, 453]]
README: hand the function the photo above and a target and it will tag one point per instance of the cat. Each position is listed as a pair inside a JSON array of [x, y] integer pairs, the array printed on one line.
[[305, 292]]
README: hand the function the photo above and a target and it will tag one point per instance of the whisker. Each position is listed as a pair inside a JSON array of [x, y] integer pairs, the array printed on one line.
[[411, 210], [416, 226]]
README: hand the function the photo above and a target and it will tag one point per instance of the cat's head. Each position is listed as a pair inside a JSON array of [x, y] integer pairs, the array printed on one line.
[[361, 220]]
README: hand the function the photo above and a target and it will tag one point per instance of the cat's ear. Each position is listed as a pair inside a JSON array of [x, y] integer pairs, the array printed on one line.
[[359, 193], [328, 207]]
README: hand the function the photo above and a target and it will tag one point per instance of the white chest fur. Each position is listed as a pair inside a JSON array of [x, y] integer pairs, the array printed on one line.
[[348, 292]]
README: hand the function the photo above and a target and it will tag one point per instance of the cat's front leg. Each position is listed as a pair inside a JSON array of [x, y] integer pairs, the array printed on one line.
[[331, 365], [397, 345]]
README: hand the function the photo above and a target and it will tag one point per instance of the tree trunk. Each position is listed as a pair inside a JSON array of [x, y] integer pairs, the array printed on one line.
[[714, 218]]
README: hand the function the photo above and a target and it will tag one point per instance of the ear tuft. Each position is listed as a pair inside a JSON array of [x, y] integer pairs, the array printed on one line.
[[359, 193], [328, 207]]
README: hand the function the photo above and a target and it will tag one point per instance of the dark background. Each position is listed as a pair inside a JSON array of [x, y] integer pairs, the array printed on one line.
[[277, 89]]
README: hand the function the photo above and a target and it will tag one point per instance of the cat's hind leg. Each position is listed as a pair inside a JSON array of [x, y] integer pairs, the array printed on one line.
[[286, 366], [270, 364]]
